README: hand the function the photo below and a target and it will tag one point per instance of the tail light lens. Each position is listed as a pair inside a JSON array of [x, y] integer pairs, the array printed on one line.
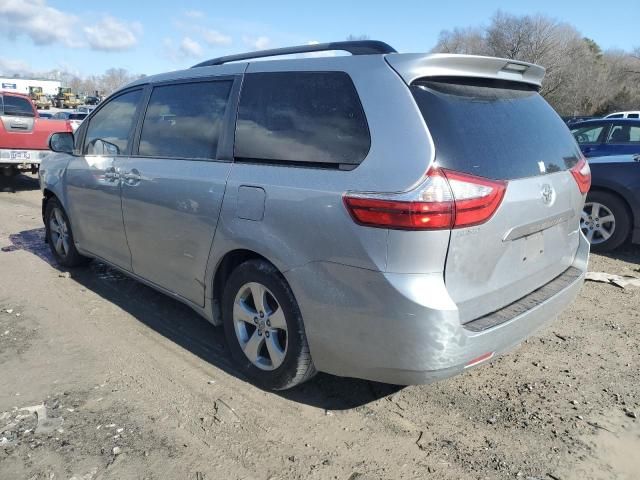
[[582, 173], [444, 200]]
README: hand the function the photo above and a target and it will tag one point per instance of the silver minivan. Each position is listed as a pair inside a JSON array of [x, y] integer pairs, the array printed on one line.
[[393, 217]]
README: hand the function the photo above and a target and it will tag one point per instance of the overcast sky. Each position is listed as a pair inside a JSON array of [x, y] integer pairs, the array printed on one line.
[[89, 37]]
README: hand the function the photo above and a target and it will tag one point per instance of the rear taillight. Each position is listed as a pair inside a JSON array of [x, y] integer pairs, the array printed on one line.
[[582, 173], [444, 200]]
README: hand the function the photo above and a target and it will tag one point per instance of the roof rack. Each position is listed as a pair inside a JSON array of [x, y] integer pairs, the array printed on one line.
[[359, 47]]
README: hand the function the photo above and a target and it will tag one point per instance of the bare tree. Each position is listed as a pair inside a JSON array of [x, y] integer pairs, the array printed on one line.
[[580, 77], [114, 78], [469, 41]]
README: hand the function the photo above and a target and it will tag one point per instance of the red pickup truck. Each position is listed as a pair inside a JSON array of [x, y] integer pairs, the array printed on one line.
[[24, 136]]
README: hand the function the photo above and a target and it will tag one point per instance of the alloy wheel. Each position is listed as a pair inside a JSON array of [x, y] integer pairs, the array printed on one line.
[[597, 222], [260, 326], [59, 232]]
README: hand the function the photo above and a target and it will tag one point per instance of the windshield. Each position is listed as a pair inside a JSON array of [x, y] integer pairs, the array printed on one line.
[[500, 130]]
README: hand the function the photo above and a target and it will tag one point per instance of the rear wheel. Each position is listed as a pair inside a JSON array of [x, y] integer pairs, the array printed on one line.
[[60, 236], [605, 221], [263, 327]]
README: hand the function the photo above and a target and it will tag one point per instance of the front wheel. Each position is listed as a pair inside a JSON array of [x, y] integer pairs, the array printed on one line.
[[60, 236], [605, 221], [263, 327]]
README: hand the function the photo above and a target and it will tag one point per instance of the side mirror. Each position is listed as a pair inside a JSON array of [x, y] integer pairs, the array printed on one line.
[[61, 142], [102, 147]]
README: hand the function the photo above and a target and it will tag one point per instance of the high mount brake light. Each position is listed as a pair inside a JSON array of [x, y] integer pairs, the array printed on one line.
[[582, 174], [444, 200]]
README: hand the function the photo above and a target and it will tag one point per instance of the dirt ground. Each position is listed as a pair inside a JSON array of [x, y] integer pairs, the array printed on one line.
[[125, 383]]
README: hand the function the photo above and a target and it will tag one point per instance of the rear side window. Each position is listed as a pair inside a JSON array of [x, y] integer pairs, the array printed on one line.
[[616, 115], [301, 117], [624, 134], [633, 115], [498, 130], [17, 106], [184, 120], [110, 128]]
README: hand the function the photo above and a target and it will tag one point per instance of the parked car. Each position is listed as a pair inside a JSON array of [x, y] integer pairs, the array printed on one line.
[[87, 109], [612, 210], [75, 119], [571, 120], [62, 115], [394, 217], [630, 114], [24, 136], [603, 137], [92, 100]]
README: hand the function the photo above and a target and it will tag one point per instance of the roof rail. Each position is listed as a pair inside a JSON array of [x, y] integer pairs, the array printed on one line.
[[359, 47]]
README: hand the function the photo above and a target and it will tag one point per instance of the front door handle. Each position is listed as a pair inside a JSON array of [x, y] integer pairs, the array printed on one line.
[[636, 157], [111, 174], [132, 178]]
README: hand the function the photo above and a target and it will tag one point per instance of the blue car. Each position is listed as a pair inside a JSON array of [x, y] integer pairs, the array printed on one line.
[[607, 136], [611, 213]]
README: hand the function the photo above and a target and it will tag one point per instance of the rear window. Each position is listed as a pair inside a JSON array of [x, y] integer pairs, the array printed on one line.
[[301, 117], [499, 130], [17, 106]]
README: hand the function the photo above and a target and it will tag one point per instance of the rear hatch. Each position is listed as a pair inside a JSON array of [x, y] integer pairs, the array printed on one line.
[[504, 130]]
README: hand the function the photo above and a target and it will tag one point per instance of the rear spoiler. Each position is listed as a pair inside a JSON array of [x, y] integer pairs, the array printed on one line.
[[412, 66]]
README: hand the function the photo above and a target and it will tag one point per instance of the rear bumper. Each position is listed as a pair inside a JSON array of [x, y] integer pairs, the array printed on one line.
[[404, 328], [21, 156]]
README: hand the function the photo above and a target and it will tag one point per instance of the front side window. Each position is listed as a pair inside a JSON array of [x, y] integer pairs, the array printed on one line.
[[110, 128], [17, 106], [624, 134], [304, 117], [590, 134], [185, 120], [633, 115]]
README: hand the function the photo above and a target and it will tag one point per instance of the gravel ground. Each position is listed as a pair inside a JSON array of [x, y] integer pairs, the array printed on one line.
[[103, 378]]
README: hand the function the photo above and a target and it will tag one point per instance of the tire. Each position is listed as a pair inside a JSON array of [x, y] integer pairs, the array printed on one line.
[[282, 358], [10, 171], [57, 229], [609, 235]]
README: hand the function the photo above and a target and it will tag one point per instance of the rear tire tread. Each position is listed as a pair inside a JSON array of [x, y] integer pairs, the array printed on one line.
[[295, 370]]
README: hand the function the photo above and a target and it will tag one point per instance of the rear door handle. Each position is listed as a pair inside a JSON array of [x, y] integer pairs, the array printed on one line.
[[636, 157]]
